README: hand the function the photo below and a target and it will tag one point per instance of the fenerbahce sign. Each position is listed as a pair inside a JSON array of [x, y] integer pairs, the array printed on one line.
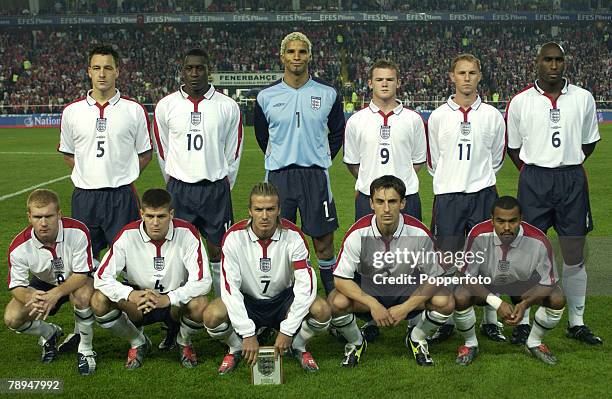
[[244, 79]]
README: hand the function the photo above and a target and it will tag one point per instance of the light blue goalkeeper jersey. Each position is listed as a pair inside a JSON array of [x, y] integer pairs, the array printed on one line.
[[301, 127]]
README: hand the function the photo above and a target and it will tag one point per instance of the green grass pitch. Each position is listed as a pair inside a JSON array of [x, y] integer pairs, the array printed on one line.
[[501, 370]]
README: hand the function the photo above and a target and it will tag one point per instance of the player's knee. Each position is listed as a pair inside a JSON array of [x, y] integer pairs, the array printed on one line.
[[444, 304], [99, 303], [214, 315], [214, 253], [463, 299], [320, 310], [556, 300], [81, 298], [12, 318], [196, 307], [339, 303], [324, 246]]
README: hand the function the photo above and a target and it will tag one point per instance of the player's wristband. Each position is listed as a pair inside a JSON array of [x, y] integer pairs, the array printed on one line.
[[494, 301]]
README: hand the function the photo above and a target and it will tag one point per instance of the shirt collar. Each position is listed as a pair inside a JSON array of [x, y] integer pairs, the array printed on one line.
[[59, 238], [541, 91], [513, 244], [145, 237], [400, 106], [302, 86], [400, 227], [454, 106], [208, 95], [114, 99], [254, 238]]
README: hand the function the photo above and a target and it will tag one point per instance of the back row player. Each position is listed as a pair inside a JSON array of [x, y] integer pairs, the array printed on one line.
[[105, 140]]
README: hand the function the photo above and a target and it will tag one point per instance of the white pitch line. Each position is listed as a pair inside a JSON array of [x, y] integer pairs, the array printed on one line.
[[27, 153], [25, 190]]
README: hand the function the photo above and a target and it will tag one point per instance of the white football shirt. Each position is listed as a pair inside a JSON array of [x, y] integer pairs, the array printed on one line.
[[530, 252], [551, 133], [198, 139], [263, 269], [465, 147], [385, 144], [411, 236], [176, 266], [53, 265], [105, 140]]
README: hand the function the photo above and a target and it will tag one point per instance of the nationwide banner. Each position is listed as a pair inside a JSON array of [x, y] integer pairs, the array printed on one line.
[[244, 79], [53, 120], [319, 16]]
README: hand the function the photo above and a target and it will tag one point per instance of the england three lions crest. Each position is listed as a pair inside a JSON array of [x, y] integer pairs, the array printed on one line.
[[385, 132], [101, 124], [158, 263], [466, 128], [315, 102], [265, 264], [196, 118], [555, 115], [266, 365]]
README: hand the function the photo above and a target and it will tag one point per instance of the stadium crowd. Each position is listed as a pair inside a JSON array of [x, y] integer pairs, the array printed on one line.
[[65, 7], [47, 66]]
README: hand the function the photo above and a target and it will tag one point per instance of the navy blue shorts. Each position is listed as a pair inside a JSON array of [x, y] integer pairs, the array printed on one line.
[[556, 198], [269, 312], [454, 215], [309, 190], [362, 206], [105, 212], [40, 285], [205, 204]]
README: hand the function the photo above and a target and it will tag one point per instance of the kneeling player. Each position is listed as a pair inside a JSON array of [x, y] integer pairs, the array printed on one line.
[[56, 252], [369, 241], [518, 258], [165, 264], [266, 281]]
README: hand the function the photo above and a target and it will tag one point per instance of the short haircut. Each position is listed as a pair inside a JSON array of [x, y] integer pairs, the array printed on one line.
[[41, 198], [506, 202], [104, 50], [155, 198], [388, 181], [383, 64], [464, 57], [197, 52], [293, 36], [263, 189], [550, 44]]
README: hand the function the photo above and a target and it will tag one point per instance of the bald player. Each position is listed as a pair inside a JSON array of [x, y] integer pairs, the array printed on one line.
[[552, 130]]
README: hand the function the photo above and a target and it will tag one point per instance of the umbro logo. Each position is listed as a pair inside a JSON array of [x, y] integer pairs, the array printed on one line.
[[278, 105]]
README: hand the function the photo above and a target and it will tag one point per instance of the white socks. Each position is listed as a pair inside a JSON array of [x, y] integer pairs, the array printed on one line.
[[465, 321], [83, 322], [226, 334], [188, 329], [119, 323], [574, 287], [545, 319], [347, 325], [430, 320], [309, 328], [216, 277]]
